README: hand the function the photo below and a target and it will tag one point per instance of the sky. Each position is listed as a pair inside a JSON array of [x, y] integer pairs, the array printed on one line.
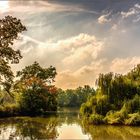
[[81, 38]]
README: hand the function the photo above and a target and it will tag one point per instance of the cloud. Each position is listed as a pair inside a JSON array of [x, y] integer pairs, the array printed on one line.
[[135, 10], [114, 27], [75, 58], [82, 48], [78, 59], [84, 75], [89, 73], [30, 7], [70, 36], [104, 19], [122, 65], [131, 12]]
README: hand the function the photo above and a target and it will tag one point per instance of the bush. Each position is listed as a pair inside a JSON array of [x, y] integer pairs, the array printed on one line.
[[133, 119], [36, 101], [102, 106], [9, 110], [116, 117], [85, 109], [133, 105]]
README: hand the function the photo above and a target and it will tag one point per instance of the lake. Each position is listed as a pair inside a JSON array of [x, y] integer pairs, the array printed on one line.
[[65, 124]]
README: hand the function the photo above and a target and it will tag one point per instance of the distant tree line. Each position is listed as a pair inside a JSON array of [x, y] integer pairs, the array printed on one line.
[[74, 97]]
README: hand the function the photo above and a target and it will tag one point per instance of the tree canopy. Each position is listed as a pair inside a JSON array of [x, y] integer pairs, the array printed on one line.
[[37, 92], [10, 27], [47, 75], [117, 99]]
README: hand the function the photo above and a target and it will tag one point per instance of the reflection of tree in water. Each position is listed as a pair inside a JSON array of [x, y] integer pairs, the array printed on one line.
[[31, 128], [47, 128], [37, 127], [106, 132], [68, 118]]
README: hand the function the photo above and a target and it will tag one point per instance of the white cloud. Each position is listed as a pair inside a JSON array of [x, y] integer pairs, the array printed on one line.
[[82, 48], [131, 12], [135, 10], [104, 19], [137, 6], [75, 58], [123, 65], [78, 59], [84, 75]]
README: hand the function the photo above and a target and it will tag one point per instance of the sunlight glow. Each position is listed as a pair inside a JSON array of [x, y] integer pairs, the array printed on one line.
[[4, 5], [72, 131]]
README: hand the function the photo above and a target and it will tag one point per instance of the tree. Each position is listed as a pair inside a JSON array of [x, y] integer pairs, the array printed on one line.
[[117, 99], [37, 93], [10, 27], [103, 82], [74, 97], [46, 75]]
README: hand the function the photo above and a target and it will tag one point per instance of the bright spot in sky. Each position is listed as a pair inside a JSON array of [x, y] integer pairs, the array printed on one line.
[[4, 6]]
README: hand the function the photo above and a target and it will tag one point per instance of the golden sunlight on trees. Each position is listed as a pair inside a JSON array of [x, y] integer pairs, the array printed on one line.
[[117, 99], [37, 93]]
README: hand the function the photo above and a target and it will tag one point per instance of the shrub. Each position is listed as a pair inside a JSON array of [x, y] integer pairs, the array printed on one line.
[[133, 105], [133, 119], [102, 106], [9, 110], [85, 109], [116, 117], [36, 101]]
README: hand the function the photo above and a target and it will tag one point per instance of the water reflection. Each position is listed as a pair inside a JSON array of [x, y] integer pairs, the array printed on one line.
[[62, 126], [108, 132], [73, 131], [29, 128]]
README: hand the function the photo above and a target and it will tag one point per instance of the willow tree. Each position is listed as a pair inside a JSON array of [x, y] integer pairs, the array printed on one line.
[[104, 82], [10, 27]]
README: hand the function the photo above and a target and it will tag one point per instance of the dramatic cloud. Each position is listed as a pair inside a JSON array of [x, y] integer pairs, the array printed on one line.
[[80, 38], [75, 57], [82, 48]]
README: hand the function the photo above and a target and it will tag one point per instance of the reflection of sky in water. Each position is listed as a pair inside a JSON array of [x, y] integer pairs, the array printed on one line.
[[5, 132], [72, 131], [63, 127]]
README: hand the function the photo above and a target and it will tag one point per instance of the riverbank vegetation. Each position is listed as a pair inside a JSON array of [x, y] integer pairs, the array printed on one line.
[[117, 100]]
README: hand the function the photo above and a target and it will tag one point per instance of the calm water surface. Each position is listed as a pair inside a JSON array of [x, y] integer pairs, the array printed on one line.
[[65, 125]]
